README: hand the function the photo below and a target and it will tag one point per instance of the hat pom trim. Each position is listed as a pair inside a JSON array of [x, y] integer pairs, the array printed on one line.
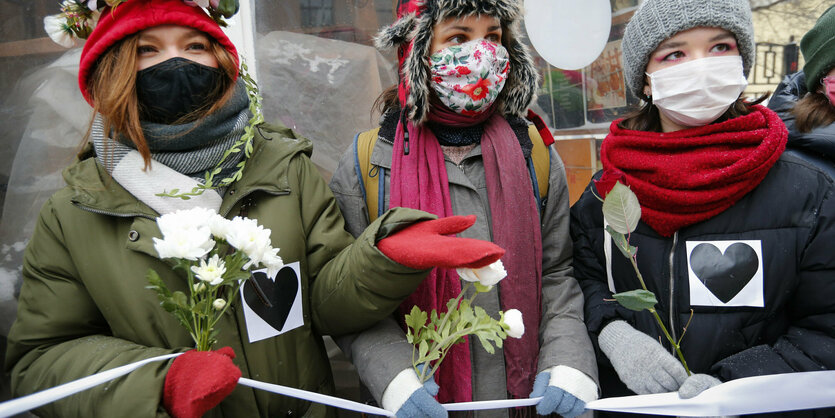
[[395, 34]]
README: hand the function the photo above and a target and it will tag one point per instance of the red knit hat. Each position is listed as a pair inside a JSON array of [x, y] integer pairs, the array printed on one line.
[[135, 15]]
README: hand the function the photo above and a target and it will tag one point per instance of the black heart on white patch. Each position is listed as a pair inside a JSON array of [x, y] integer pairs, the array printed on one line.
[[281, 294], [725, 275]]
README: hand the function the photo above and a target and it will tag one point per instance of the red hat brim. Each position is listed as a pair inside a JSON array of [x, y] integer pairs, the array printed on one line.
[[134, 16]]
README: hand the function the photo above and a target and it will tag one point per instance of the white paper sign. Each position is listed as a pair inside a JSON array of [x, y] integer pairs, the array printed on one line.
[[725, 273], [277, 307]]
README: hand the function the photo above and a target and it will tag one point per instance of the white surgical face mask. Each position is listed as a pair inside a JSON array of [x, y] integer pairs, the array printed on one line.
[[696, 93]]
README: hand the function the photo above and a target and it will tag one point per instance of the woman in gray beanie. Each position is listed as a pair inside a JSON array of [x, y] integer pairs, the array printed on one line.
[[750, 280]]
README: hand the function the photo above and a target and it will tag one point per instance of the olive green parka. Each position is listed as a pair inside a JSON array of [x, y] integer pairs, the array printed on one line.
[[84, 307]]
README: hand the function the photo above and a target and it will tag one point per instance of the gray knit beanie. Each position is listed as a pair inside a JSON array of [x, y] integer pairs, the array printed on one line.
[[657, 20]]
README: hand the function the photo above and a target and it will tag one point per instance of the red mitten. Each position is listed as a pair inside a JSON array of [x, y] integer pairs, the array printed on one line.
[[425, 245], [198, 380]]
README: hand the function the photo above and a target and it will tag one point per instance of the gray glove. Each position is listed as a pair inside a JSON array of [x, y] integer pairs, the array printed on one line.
[[640, 361], [696, 384]]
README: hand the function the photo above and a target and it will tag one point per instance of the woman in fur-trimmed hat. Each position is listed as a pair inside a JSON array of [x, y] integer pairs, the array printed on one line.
[[734, 237], [452, 140], [162, 78]]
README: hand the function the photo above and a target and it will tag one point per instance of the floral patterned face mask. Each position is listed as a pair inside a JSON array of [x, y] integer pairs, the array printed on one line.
[[468, 77]]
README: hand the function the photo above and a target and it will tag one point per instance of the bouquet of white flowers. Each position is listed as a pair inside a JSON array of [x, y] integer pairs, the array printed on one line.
[[434, 334], [215, 253]]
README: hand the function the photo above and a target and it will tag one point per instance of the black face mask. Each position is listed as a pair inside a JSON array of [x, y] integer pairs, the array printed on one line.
[[174, 88]]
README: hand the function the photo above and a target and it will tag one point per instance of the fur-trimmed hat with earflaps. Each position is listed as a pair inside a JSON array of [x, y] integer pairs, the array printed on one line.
[[412, 34]]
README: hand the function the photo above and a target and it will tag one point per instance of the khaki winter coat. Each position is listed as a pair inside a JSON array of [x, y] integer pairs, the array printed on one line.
[[381, 352], [84, 307]]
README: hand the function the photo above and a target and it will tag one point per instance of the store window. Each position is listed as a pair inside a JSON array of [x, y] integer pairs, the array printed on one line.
[[319, 74]]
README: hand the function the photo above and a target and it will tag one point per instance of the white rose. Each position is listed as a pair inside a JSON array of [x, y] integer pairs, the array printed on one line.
[[219, 304], [513, 319], [487, 276], [186, 244], [211, 271], [55, 27]]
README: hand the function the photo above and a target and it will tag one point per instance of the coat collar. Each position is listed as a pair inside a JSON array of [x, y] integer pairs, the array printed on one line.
[[274, 146]]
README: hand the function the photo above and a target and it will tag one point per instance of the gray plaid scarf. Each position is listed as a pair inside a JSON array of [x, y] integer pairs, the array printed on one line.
[[181, 155]]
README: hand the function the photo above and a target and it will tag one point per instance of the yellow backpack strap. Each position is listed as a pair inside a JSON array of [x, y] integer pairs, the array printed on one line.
[[541, 162], [367, 173]]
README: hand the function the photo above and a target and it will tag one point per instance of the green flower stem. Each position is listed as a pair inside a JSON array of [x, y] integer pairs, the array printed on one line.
[[196, 331], [434, 346], [446, 343], [673, 342]]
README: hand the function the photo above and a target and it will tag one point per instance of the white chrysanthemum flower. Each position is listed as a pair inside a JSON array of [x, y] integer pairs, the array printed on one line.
[[487, 276], [272, 262], [254, 240], [513, 319], [219, 226], [182, 220], [211, 271], [92, 5], [219, 304], [55, 27], [183, 243]]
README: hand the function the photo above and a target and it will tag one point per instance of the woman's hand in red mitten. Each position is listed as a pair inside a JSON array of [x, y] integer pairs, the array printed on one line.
[[198, 380], [425, 245]]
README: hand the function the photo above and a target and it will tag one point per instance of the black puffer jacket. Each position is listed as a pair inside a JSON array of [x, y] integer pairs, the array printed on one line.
[[790, 215], [819, 144]]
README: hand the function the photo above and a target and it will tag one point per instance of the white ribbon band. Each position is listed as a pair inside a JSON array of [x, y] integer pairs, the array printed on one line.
[[26, 403], [315, 397], [751, 395]]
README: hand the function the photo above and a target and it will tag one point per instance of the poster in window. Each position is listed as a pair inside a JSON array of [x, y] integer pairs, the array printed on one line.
[[607, 97], [606, 88]]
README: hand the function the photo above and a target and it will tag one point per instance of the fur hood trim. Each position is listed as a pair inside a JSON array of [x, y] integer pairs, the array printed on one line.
[[412, 34]]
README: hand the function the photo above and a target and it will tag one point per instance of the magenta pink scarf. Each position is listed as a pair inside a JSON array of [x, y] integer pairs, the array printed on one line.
[[419, 180]]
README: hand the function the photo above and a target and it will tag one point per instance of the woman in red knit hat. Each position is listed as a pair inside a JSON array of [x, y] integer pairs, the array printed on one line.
[[163, 82], [735, 237]]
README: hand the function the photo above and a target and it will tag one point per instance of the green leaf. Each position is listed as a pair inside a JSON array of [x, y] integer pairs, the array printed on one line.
[[168, 305], [621, 209], [636, 300], [416, 319], [622, 243], [180, 299], [434, 355], [423, 348], [200, 308], [228, 7]]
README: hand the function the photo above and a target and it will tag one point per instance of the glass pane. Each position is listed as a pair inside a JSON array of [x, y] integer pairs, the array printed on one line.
[[590, 98], [319, 71], [43, 116]]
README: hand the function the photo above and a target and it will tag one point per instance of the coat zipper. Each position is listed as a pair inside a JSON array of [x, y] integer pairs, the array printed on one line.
[[248, 194], [672, 290], [115, 214]]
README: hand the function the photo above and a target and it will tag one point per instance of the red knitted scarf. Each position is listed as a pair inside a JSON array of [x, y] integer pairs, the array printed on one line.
[[685, 177]]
